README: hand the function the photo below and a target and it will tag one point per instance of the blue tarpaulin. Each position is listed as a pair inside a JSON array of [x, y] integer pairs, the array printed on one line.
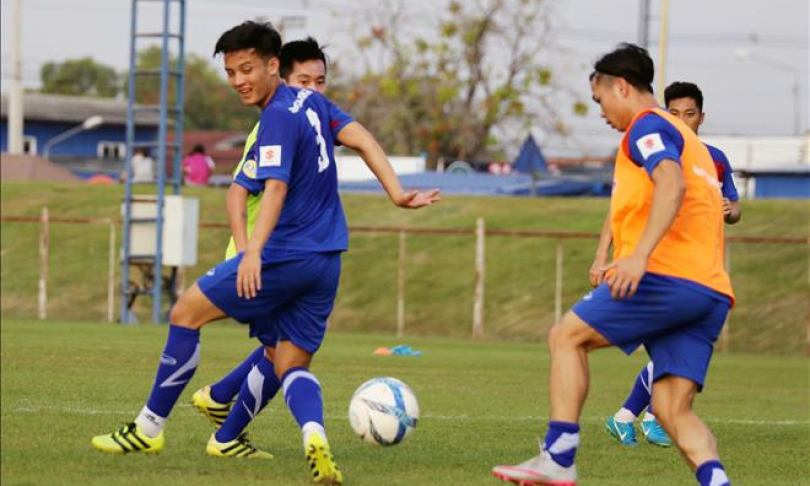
[[530, 159]]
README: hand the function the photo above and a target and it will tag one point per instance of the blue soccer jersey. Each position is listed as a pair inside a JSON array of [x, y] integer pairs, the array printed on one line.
[[724, 173], [295, 144]]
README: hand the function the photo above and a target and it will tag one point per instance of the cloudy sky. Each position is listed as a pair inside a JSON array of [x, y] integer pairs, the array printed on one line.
[[743, 97]]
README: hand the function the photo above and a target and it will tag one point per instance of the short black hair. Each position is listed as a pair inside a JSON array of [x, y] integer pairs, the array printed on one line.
[[628, 61], [300, 51], [262, 37], [680, 89]]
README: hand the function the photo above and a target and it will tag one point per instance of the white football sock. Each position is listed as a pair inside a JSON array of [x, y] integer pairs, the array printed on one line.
[[311, 427], [150, 423], [625, 416], [648, 417]]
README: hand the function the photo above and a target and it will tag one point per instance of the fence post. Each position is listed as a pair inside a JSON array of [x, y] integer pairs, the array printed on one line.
[[111, 274], [558, 283], [480, 273], [401, 286], [724, 334], [43, 264]]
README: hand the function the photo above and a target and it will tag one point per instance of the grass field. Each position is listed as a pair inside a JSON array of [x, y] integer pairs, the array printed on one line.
[[771, 281], [483, 403]]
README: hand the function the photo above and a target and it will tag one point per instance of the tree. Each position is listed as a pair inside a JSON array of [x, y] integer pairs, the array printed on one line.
[[80, 77], [476, 85], [210, 103]]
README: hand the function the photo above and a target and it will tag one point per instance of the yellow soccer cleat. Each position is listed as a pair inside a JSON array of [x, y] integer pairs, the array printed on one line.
[[215, 412], [321, 462], [129, 438], [239, 447]]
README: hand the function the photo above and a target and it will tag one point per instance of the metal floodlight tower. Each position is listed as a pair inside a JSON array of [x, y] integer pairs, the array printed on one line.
[[168, 116]]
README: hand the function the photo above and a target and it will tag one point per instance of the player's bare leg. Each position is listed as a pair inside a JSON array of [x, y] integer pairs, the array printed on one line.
[[570, 342], [672, 398], [194, 310]]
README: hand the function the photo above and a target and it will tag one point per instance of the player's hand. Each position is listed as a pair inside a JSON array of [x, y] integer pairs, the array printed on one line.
[[625, 274], [417, 199], [596, 275], [726, 207], [249, 275]]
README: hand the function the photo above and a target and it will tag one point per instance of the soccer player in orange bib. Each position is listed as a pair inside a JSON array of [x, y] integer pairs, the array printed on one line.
[[685, 101], [666, 288]]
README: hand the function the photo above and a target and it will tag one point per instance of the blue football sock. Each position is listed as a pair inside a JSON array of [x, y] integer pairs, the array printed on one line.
[[226, 389], [562, 440], [640, 394], [260, 386], [177, 365], [712, 473], [302, 392]]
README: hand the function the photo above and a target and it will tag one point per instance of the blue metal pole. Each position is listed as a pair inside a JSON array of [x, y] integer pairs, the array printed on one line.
[[157, 286], [126, 230], [181, 95]]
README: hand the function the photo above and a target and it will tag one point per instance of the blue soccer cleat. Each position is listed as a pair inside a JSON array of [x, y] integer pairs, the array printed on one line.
[[655, 434], [624, 432]]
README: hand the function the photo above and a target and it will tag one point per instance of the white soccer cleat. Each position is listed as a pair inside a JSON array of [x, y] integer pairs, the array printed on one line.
[[539, 470]]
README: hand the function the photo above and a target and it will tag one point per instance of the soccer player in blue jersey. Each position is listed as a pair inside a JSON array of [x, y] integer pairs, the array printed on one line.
[[302, 64], [685, 101], [290, 267]]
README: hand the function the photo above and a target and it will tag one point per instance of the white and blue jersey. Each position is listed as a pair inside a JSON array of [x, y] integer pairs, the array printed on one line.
[[300, 272], [295, 144], [724, 172]]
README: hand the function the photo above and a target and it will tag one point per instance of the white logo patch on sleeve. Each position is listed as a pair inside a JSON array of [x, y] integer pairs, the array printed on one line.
[[270, 156], [249, 168], [650, 144]]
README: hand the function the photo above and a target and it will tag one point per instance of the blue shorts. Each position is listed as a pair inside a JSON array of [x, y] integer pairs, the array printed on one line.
[[676, 320], [297, 296]]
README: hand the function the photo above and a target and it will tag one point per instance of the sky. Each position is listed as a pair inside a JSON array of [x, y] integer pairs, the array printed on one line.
[[742, 97]]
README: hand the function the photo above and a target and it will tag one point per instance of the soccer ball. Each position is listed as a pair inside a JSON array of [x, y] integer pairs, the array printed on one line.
[[383, 411]]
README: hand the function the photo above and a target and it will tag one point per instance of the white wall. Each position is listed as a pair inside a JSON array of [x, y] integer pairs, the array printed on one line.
[[352, 168], [763, 152]]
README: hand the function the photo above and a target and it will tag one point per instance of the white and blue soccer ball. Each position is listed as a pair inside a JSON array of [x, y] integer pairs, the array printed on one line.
[[383, 411]]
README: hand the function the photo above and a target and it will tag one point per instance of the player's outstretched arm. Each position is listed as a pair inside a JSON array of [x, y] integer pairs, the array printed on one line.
[[249, 275], [236, 204], [355, 136], [670, 187]]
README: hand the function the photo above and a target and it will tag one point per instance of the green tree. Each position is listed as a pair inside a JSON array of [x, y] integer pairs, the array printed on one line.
[[80, 77], [477, 84], [210, 103]]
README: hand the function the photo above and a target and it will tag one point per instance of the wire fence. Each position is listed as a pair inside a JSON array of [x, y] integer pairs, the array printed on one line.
[[409, 267]]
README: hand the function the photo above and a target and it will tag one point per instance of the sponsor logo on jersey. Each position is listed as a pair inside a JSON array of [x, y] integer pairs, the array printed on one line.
[[270, 156], [650, 144]]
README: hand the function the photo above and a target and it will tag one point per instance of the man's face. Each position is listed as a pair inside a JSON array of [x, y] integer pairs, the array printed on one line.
[[251, 76], [309, 74], [611, 95], [687, 110]]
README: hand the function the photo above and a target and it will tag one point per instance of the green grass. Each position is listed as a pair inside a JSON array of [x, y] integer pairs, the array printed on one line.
[[771, 281], [483, 403]]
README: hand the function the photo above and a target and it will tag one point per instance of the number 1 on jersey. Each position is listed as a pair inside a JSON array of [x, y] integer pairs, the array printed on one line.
[[315, 121]]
